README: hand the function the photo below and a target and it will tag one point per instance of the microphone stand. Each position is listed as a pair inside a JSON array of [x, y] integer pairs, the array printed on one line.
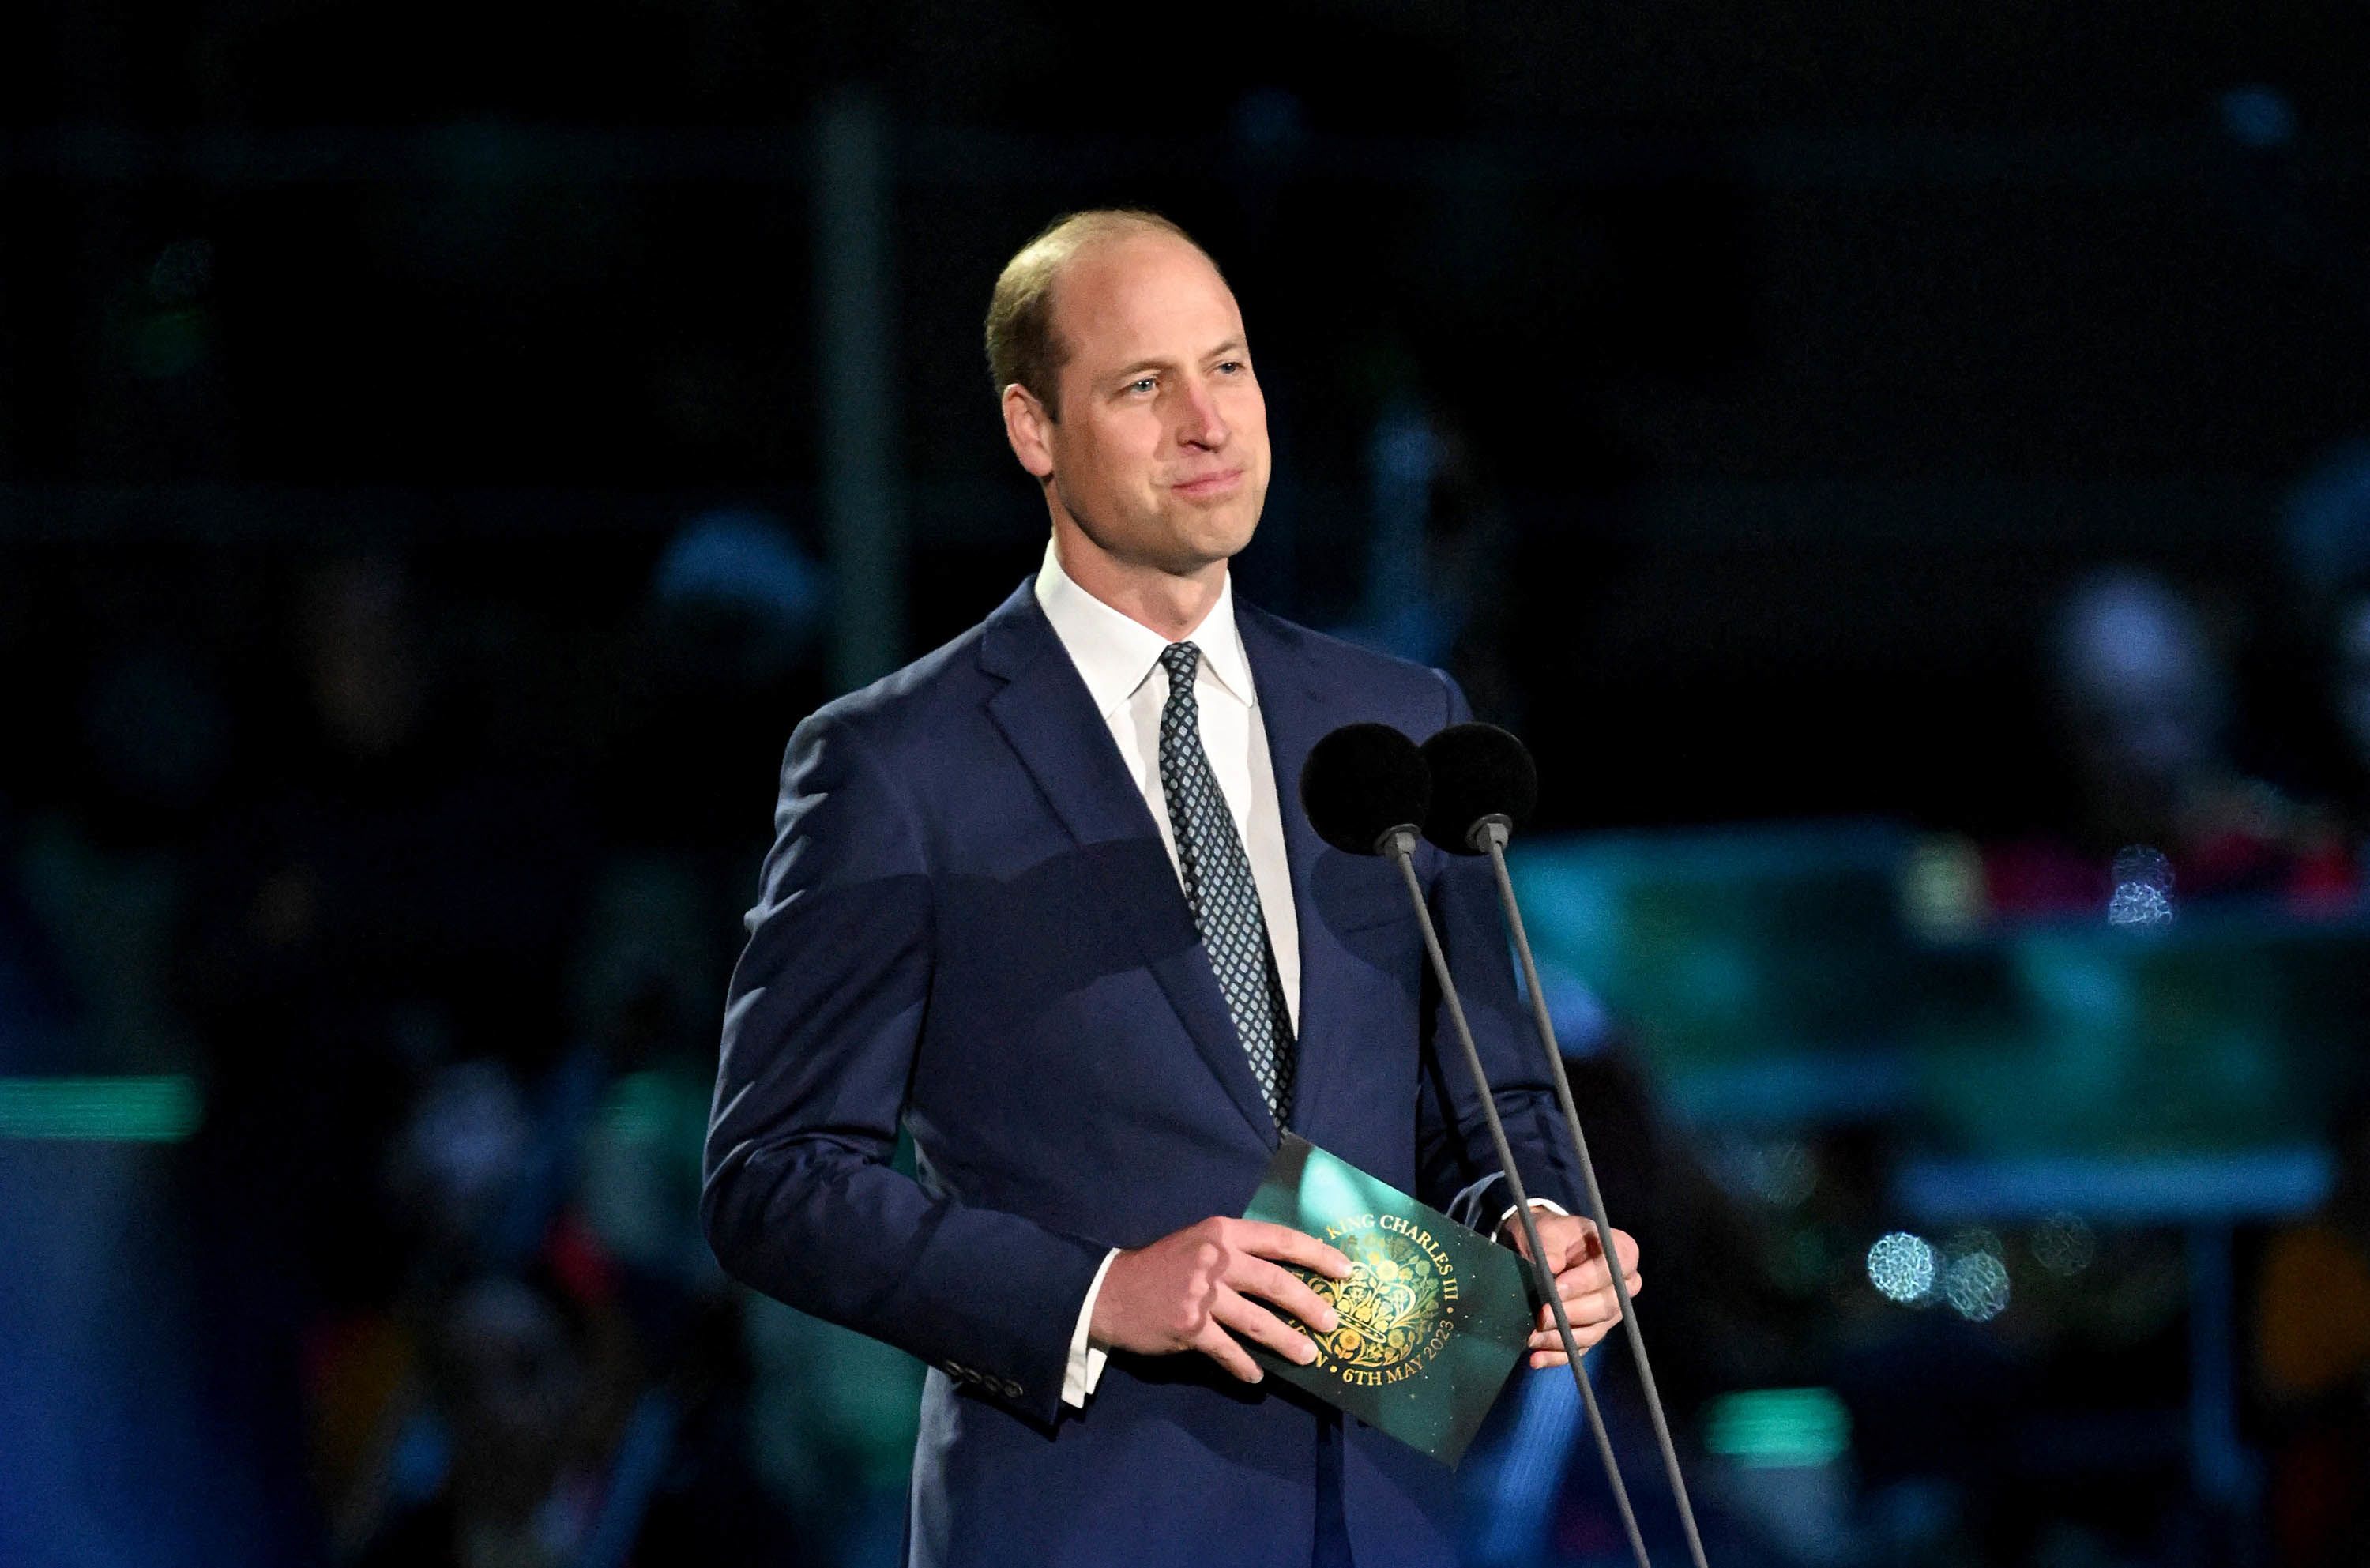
[[1491, 835], [1398, 846]]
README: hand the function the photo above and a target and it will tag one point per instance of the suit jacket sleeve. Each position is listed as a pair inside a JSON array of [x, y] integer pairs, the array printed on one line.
[[1453, 1145], [821, 1027]]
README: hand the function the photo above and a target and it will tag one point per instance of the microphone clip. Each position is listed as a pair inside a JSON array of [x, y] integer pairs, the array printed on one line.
[[1490, 832]]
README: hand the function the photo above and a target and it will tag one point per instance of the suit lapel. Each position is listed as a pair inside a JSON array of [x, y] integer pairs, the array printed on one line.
[[1047, 716]]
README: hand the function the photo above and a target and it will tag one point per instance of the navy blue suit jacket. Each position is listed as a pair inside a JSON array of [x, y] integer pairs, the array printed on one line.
[[969, 926]]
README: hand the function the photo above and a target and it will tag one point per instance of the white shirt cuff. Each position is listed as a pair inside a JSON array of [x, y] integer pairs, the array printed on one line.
[[1086, 1368], [1548, 1204]]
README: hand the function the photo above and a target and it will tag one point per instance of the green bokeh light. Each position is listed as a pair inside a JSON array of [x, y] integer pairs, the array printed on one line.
[[1768, 1428], [100, 1110]]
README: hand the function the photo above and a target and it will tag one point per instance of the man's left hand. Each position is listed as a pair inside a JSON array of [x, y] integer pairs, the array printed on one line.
[[1581, 1279]]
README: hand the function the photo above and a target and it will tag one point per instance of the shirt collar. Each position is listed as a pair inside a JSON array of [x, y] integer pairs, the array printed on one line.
[[1116, 655]]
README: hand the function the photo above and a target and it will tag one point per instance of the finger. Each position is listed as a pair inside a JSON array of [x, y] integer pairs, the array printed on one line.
[[1556, 1357], [1595, 1310], [1573, 1283], [1590, 1276], [1587, 1334], [1282, 1243], [1590, 1244], [1580, 1277], [1591, 1306], [1560, 1237], [1581, 1327], [1255, 1322], [1548, 1349], [1276, 1284], [1227, 1351]]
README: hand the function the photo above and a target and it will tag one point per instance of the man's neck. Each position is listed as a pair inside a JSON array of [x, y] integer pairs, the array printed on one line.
[[1172, 605]]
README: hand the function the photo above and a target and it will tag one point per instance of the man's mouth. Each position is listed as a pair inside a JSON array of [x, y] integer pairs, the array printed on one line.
[[1209, 484]]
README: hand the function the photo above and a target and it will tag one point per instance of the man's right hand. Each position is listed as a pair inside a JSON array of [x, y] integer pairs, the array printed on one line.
[[1186, 1290]]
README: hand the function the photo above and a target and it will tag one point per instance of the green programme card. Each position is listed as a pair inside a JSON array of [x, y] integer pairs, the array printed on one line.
[[1434, 1317]]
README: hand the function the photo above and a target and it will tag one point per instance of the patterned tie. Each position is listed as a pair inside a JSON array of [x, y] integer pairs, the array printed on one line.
[[1218, 886]]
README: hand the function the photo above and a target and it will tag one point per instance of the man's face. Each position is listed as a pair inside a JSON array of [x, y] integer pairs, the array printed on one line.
[[1160, 453]]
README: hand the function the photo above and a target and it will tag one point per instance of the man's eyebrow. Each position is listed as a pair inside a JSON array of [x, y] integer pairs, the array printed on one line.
[[1231, 346]]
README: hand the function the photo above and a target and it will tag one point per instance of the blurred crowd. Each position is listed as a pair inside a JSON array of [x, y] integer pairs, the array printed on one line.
[[441, 949], [2143, 696], [431, 889]]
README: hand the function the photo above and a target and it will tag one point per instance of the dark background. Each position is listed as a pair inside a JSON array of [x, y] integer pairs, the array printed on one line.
[[443, 450]]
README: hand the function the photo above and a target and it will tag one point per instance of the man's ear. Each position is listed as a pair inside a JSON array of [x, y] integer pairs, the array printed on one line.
[[1030, 429]]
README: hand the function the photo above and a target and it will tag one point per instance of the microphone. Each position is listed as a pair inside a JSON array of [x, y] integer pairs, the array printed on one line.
[[1368, 790], [1363, 786], [1484, 786]]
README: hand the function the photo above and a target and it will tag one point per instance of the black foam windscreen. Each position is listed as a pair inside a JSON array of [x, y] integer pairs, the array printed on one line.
[[1477, 770], [1360, 782]]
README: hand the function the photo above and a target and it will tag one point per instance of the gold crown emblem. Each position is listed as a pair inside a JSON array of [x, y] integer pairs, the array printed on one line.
[[1389, 1305]]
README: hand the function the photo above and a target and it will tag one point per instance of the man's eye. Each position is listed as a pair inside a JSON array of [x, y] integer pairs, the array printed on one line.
[[1142, 384], [1232, 367]]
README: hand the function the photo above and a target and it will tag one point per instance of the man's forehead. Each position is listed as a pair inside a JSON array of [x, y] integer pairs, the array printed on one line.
[[1140, 292]]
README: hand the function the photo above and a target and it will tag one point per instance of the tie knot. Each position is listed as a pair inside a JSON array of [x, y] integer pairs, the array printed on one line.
[[1181, 660]]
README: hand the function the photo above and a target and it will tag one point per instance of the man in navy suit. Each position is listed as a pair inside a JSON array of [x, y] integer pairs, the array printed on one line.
[[1045, 899]]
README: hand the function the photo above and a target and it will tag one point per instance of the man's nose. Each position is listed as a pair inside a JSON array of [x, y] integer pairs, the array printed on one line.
[[1199, 421]]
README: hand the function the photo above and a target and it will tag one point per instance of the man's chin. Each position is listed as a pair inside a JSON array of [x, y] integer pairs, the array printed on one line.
[[1185, 542], [1213, 534]]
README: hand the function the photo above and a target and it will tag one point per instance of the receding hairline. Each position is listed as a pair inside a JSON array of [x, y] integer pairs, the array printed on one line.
[[1066, 238], [1026, 289]]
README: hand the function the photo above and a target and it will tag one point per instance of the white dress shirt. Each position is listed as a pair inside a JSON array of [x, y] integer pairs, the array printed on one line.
[[1118, 659]]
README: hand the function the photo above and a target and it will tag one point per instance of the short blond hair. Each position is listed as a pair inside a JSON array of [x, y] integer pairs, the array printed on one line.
[[1021, 344]]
